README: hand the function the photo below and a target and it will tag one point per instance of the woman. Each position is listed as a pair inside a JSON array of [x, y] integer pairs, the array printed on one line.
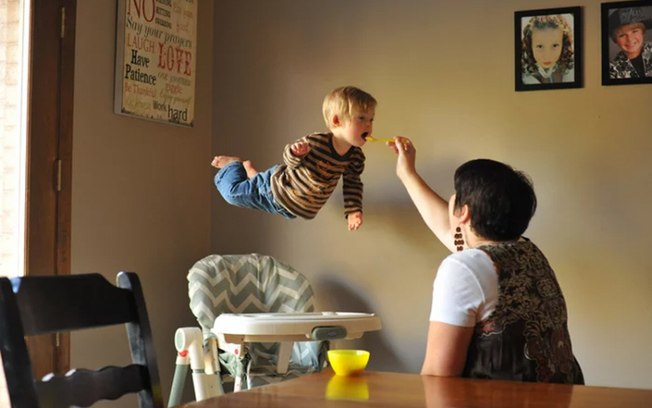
[[497, 310], [627, 29]]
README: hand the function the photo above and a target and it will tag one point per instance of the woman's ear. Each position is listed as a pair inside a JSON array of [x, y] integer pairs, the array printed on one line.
[[464, 214]]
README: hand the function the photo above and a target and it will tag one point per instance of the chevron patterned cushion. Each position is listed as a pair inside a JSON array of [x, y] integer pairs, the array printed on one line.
[[254, 283]]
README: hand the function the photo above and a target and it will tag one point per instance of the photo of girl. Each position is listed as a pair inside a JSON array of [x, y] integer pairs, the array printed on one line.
[[547, 54]]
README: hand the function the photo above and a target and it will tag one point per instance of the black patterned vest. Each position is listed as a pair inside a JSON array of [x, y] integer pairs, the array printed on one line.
[[526, 337]]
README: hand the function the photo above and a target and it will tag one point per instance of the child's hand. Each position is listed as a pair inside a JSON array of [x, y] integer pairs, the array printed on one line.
[[300, 149], [354, 220]]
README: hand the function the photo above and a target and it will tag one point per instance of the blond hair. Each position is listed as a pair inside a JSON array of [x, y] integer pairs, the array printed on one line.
[[344, 102]]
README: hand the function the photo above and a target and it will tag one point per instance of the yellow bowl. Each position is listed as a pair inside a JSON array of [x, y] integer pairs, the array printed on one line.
[[348, 362]]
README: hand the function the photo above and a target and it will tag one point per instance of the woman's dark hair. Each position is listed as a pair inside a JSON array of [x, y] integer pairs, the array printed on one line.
[[501, 199]]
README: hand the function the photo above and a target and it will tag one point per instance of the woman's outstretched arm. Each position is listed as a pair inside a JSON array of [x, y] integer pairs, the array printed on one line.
[[432, 207]]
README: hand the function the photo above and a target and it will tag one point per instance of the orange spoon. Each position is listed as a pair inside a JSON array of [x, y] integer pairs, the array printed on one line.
[[378, 139]]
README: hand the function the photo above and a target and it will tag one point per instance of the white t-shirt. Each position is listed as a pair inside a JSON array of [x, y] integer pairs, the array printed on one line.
[[465, 290]]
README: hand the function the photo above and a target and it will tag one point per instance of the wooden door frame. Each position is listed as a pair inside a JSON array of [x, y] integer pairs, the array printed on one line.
[[49, 160]]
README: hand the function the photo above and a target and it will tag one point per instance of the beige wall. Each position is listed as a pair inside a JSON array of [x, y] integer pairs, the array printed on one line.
[[443, 75], [143, 200], [140, 200]]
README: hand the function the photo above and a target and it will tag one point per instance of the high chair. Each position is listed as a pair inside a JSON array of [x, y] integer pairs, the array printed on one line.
[[250, 283], [258, 324]]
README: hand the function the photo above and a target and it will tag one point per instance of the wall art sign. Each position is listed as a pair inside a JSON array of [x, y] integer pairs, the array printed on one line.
[[155, 60]]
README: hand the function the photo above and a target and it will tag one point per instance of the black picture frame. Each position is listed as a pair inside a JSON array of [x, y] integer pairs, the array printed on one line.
[[617, 68], [567, 70]]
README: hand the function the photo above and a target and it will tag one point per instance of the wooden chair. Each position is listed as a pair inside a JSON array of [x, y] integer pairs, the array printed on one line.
[[47, 304]]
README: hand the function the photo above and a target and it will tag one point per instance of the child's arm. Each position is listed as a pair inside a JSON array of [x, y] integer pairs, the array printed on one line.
[[352, 189], [355, 220], [294, 153]]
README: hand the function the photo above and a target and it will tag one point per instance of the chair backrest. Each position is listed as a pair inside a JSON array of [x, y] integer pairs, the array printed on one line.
[[249, 283], [37, 305]]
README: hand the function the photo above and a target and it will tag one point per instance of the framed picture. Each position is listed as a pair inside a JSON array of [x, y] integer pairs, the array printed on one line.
[[155, 56], [548, 51], [627, 42]]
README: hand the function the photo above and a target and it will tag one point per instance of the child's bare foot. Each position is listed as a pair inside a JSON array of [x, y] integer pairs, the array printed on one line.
[[221, 161], [249, 168]]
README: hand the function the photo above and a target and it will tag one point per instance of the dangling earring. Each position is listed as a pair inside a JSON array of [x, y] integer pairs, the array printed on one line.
[[459, 240]]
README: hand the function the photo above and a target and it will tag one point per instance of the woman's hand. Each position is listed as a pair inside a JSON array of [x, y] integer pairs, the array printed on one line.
[[405, 164]]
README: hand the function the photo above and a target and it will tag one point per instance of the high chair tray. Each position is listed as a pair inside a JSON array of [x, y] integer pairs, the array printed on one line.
[[275, 327]]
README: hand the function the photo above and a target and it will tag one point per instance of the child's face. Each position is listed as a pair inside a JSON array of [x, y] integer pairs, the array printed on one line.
[[630, 39], [546, 46], [357, 128]]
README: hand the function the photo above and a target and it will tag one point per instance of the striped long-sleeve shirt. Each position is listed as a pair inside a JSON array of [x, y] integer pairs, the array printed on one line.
[[303, 184]]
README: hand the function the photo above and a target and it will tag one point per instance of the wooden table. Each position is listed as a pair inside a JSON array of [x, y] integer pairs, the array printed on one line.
[[383, 389]]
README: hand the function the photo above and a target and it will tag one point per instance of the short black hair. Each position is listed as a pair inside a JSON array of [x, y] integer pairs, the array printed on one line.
[[501, 199]]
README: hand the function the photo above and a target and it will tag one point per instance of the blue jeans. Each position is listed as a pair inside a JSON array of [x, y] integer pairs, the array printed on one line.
[[256, 193]]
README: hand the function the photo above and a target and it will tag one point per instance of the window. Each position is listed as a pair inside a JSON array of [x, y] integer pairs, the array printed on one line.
[[14, 44], [35, 150]]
